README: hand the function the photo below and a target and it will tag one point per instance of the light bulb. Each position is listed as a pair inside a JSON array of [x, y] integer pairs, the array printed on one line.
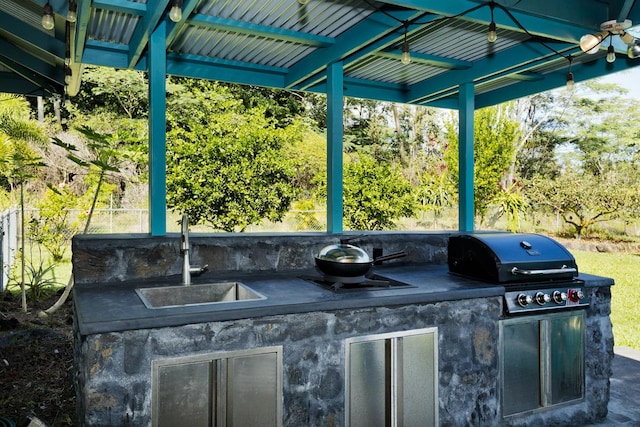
[[72, 13], [611, 55], [67, 61], [406, 56], [589, 43], [492, 35], [175, 14], [570, 82], [627, 38], [68, 77], [633, 51], [47, 17]]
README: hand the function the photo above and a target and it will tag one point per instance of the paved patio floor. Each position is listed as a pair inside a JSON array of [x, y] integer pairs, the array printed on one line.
[[624, 404]]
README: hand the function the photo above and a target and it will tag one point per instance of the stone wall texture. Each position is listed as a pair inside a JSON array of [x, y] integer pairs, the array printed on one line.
[[113, 370]]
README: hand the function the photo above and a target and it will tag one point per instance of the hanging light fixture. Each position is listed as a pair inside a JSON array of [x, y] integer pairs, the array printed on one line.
[[611, 54], [68, 76], [406, 56], [627, 38], [633, 51], [72, 13], [590, 43], [47, 17], [175, 14], [570, 81], [492, 35]]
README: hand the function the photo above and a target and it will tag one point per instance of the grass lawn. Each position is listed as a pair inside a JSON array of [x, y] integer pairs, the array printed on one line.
[[624, 268]]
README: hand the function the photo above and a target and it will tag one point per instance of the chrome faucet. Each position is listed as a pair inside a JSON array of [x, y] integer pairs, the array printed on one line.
[[187, 269]]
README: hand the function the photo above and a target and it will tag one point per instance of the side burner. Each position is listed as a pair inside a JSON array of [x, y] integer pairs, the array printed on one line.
[[355, 284]]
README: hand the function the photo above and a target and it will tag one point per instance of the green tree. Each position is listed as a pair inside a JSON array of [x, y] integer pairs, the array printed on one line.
[[376, 194], [225, 163], [18, 161], [495, 136], [52, 227], [123, 92], [582, 199]]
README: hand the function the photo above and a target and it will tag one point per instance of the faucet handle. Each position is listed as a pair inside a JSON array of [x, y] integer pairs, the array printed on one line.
[[196, 270]]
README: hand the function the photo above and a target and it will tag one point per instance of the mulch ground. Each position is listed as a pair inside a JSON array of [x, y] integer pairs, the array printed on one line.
[[36, 363]]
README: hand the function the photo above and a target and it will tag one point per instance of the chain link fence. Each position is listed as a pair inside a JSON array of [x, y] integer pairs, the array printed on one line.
[[130, 221]]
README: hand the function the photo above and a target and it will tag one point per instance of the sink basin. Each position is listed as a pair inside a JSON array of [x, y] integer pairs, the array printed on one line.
[[187, 296]]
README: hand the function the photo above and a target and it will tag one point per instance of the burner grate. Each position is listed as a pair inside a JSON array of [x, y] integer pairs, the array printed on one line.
[[354, 284]]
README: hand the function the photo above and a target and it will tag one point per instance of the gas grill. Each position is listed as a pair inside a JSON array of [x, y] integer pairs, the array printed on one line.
[[537, 272]]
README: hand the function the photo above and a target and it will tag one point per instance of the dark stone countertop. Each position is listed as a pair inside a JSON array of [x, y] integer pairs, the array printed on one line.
[[113, 307]]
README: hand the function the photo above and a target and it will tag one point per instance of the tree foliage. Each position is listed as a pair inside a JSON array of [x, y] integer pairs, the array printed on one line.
[[495, 135], [376, 194], [583, 200], [225, 163]]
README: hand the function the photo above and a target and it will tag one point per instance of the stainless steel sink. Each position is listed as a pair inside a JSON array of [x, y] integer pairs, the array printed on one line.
[[187, 296]]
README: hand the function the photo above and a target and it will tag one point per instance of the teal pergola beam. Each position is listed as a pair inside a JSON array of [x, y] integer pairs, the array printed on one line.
[[335, 103], [157, 136], [465, 157]]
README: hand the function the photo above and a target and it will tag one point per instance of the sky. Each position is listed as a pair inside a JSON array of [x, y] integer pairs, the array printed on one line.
[[629, 79]]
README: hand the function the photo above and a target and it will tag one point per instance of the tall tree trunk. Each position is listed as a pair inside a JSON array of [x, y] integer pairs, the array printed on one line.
[[23, 291], [56, 109], [401, 138], [67, 289], [40, 109]]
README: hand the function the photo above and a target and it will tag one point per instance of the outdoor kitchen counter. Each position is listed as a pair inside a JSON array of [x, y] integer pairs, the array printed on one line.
[[111, 307]]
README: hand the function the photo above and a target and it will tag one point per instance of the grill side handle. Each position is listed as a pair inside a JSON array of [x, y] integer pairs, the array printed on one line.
[[547, 271]]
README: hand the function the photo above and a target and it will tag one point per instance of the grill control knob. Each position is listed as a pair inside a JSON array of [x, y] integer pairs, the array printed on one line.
[[575, 295], [524, 300], [542, 298], [559, 297]]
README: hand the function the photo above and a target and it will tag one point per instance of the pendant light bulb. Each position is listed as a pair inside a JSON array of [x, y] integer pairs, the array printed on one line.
[[175, 14], [627, 38], [611, 55], [47, 17], [492, 35], [633, 51], [72, 14], [590, 43], [570, 82], [406, 56], [68, 76]]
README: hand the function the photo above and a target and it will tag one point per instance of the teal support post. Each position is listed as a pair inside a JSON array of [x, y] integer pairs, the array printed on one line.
[[157, 131], [335, 105], [465, 157]]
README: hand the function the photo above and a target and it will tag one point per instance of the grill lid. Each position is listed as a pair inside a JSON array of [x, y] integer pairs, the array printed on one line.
[[510, 258]]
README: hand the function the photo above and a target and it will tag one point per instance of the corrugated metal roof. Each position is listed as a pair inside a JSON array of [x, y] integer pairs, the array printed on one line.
[[290, 43]]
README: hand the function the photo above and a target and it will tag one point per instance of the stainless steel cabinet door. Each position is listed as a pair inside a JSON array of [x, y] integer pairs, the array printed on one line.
[[392, 380], [566, 335], [542, 361], [231, 389], [252, 390], [521, 367]]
